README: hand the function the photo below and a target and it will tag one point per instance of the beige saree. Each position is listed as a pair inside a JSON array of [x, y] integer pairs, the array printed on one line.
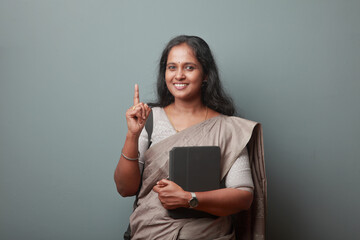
[[151, 221]]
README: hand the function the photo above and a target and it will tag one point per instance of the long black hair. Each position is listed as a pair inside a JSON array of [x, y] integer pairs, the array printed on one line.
[[212, 93]]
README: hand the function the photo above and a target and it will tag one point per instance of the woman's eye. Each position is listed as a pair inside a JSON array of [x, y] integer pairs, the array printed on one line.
[[189, 68], [171, 67]]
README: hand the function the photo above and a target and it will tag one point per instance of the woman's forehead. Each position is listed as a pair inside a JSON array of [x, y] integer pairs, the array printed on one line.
[[181, 53]]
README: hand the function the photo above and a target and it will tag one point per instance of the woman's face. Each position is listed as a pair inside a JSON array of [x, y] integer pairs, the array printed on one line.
[[184, 74]]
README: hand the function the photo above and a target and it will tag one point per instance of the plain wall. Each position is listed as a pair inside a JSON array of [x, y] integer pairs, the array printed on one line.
[[67, 70]]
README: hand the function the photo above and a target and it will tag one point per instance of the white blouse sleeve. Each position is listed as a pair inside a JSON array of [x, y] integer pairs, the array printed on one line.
[[143, 146], [239, 175]]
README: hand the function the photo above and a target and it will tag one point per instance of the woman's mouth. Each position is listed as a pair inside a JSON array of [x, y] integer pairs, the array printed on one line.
[[180, 86]]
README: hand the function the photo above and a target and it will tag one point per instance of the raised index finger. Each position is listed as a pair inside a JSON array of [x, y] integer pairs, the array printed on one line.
[[136, 95]]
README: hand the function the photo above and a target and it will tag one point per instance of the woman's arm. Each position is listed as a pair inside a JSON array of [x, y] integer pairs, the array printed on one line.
[[221, 202], [224, 202], [127, 173]]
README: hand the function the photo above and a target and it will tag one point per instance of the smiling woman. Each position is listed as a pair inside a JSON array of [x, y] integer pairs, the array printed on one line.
[[184, 74], [192, 110], [212, 94], [184, 77]]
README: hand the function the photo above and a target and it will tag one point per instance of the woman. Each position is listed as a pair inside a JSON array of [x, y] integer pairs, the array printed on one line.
[[192, 109]]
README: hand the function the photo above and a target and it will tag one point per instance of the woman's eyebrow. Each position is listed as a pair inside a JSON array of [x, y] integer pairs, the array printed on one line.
[[185, 63]]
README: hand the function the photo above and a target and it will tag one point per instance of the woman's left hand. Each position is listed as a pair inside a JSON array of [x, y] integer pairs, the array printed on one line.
[[171, 195]]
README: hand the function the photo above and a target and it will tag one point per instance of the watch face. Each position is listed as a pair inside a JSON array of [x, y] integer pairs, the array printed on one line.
[[193, 202]]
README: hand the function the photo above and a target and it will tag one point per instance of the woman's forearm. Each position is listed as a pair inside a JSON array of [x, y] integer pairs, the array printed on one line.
[[224, 202], [127, 173], [221, 202]]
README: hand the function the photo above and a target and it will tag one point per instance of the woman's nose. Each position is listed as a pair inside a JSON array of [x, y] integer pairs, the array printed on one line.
[[180, 74]]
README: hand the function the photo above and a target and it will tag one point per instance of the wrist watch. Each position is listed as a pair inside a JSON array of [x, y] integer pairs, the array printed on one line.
[[193, 202]]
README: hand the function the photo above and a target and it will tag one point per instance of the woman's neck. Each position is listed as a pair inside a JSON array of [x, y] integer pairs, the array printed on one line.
[[187, 107]]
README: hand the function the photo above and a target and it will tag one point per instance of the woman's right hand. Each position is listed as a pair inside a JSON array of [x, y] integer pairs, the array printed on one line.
[[137, 114]]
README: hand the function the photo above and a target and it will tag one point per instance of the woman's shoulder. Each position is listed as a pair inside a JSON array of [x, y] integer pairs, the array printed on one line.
[[159, 115], [238, 121], [212, 113], [158, 111]]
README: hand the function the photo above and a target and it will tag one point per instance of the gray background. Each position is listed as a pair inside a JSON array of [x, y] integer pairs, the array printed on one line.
[[67, 70]]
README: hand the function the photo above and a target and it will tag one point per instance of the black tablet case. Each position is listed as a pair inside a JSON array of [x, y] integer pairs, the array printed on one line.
[[195, 169]]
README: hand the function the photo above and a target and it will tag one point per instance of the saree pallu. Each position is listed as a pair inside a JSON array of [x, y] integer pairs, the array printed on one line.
[[151, 221]]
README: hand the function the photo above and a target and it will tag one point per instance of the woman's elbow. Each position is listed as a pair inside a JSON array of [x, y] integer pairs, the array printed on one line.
[[247, 200], [125, 192], [244, 201]]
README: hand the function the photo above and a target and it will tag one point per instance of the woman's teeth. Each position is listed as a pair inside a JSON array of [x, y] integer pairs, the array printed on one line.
[[180, 84]]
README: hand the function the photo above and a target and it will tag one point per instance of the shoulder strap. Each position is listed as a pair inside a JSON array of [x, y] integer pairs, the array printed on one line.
[[149, 129]]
